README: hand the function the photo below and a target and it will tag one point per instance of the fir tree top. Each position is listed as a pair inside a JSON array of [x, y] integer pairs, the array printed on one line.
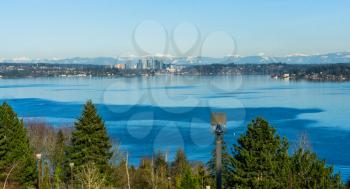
[[260, 158], [90, 142], [15, 148]]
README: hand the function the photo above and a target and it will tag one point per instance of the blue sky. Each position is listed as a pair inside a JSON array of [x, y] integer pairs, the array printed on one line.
[[88, 28]]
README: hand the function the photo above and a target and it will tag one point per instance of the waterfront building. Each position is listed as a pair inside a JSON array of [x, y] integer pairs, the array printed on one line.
[[120, 66]]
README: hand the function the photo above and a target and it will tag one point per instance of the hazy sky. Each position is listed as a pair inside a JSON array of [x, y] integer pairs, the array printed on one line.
[[69, 28]]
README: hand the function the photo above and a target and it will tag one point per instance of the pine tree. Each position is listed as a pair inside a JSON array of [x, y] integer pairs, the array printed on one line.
[[260, 158], [58, 177], [310, 172], [117, 176], [180, 163], [90, 142], [3, 145], [15, 148], [189, 181], [179, 167], [143, 175], [203, 175], [46, 181], [161, 171], [59, 158], [59, 150]]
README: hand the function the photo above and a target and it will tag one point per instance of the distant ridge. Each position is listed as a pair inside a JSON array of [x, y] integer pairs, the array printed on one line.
[[329, 58]]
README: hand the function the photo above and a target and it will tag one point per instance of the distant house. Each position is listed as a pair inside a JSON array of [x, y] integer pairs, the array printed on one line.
[[120, 66], [286, 76]]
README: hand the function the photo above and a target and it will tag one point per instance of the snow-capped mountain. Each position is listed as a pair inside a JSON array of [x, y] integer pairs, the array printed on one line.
[[76, 60], [339, 57]]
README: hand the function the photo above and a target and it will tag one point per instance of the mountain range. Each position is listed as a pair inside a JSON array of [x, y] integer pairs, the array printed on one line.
[[338, 57]]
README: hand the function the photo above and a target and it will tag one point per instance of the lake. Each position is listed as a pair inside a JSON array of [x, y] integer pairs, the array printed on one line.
[[147, 114]]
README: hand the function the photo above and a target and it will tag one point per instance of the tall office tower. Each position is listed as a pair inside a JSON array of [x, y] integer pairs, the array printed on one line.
[[139, 65]]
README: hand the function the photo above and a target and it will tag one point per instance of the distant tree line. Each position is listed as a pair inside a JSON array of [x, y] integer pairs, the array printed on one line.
[[314, 72], [24, 70], [85, 158]]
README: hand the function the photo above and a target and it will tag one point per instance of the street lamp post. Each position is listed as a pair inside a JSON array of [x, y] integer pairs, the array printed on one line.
[[38, 157], [71, 165], [218, 124], [169, 182]]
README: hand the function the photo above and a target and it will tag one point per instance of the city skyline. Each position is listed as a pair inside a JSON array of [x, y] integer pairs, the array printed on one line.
[[63, 29]]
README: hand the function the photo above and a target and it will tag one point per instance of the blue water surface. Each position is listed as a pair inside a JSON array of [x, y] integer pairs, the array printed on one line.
[[147, 114]]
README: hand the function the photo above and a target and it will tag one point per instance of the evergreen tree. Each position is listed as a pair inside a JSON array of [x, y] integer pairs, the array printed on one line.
[[58, 177], [161, 172], [59, 150], [15, 149], [117, 176], [310, 172], [58, 159], [203, 176], [180, 163], [3, 144], [143, 175], [189, 181], [90, 142], [260, 158], [46, 181], [179, 167]]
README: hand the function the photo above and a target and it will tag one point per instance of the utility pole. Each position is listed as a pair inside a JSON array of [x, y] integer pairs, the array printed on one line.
[[38, 157], [218, 124], [218, 158], [71, 165]]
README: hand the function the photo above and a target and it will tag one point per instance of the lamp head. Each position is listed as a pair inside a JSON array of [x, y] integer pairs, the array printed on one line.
[[218, 122]]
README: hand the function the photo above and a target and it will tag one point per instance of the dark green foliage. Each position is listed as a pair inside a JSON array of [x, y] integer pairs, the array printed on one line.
[[58, 177], [180, 164], [160, 164], [202, 174], [310, 172], [161, 171], [189, 181], [59, 158], [46, 181], [15, 149], [260, 158], [90, 142], [179, 167], [261, 161], [143, 176], [59, 151], [319, 72], [116, 175], [3, 143]]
